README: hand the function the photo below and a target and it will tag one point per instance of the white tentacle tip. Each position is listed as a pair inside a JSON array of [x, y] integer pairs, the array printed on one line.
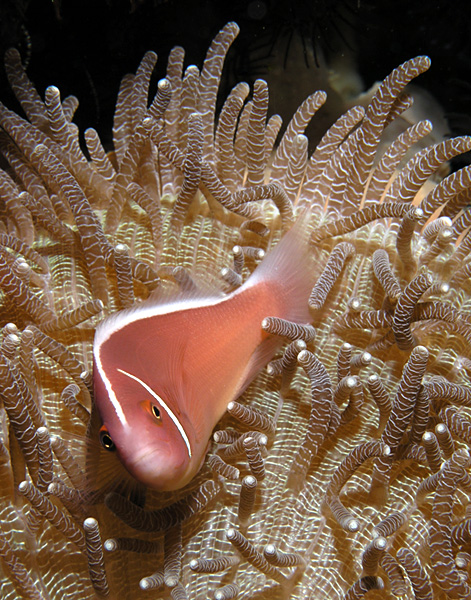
[[145, 584], [110, 545], [353, 525], [303, 356], [90, 523], [23, 486]]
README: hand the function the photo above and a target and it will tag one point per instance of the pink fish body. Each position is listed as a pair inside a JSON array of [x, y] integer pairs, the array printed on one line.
[[165, 372]]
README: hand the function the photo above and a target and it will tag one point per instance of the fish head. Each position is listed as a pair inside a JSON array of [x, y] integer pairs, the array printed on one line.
[[152, 439]]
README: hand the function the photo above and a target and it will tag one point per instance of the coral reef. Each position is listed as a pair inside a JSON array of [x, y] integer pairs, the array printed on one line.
[[343, 468]]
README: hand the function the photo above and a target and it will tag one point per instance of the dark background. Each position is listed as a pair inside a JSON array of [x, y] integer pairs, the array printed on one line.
[[85, 47]]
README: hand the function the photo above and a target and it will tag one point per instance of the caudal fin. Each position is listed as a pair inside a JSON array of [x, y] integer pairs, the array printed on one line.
[[291, 266]]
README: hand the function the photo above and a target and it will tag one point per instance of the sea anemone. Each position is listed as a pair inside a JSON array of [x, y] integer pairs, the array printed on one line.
[[344, 466]]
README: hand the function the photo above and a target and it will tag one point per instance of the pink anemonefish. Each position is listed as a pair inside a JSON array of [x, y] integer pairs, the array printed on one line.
[[165, 371]]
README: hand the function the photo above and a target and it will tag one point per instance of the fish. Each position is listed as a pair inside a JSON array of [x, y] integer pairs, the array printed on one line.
[[166, 369]]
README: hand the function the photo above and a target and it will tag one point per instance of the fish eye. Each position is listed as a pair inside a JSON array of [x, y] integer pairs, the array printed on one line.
[[156, 412], [106, 441]]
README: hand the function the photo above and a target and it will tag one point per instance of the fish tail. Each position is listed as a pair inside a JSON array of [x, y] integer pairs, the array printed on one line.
[[289, 268]]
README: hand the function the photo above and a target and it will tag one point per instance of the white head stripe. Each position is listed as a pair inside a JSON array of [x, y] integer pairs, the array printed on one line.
[[112, 396], [164, 406]]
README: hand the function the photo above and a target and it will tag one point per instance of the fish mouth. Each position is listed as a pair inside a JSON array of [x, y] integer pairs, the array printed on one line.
[[158, 470]]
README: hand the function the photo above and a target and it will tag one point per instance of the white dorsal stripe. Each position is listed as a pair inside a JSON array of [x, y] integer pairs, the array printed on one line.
[[147, 310], [170, 413]]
